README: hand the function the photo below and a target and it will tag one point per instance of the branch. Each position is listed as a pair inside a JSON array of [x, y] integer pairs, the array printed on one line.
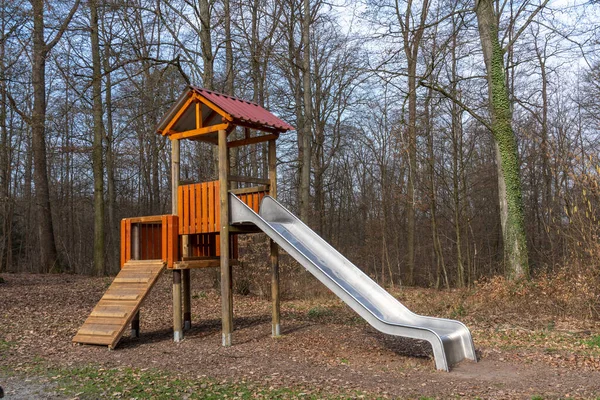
[[14, 106], [462, 105], [525, 24], [63, 27]]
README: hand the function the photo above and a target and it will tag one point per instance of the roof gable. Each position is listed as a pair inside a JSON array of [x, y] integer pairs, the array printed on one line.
[[200, 112]]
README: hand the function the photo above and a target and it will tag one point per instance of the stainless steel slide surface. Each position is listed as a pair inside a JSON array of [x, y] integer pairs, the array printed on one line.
[[451, 340]]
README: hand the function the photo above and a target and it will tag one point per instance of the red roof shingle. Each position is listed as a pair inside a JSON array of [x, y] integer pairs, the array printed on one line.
[[243, 110]]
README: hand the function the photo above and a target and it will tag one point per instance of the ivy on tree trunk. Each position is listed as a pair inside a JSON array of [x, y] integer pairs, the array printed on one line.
[[509, 180]]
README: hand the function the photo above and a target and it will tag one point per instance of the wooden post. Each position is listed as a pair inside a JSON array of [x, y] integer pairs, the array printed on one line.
[[187, 299], [177, 328], [135, 241], [177, 318], [275, 325], [226, 287], [135, 325], [174, 174], [135, 254]]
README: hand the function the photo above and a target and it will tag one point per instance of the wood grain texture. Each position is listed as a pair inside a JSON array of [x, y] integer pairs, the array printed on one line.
[[119, 305]]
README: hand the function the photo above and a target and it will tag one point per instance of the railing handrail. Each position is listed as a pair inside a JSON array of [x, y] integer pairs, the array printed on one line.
[[147, 219]]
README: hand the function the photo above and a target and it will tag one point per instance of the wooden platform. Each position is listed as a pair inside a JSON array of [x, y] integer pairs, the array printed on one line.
[[117, 308]]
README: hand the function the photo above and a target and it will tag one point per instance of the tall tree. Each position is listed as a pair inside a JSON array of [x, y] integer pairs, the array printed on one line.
[[98, 142], [307, 125], [41, 49], [512, 215], [412, 35]]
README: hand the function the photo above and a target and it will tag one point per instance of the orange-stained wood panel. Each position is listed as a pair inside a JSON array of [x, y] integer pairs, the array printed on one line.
[[158, 239], [199, 207]]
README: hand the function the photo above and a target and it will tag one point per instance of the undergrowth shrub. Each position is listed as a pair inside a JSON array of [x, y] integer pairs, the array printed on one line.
[[567, 292], [254, 276]]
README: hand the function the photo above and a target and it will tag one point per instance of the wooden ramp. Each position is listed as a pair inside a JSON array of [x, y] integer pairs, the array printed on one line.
[[118, 306]]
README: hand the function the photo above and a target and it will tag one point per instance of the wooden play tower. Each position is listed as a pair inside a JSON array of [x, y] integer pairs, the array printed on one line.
[[197, 233]]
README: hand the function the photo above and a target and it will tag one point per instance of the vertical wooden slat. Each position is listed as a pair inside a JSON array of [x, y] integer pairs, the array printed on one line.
[[180, 205], [211, 206], [123, 242], [192, 206], [128, 238], [198, 115], [218, 209], [198, 208], [157, 242], [172, 244], [204, 207], [165, 240], [186, 210]]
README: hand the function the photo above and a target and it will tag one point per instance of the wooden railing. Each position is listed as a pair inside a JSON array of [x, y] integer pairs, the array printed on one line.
[[198, 204], [198, 208], [150, 238]]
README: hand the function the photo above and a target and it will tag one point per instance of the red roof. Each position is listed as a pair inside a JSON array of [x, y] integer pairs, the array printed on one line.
[[243, 110], [242, 113]]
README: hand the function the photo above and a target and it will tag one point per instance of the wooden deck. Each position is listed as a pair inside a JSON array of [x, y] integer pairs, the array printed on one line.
[[119, 305]]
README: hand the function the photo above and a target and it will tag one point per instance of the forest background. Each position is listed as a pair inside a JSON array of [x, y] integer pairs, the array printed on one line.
[[437, 142]]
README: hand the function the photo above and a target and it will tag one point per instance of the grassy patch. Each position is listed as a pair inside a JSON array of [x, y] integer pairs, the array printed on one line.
[[319, 312], [593, 342], [5, 345], [94, 382]]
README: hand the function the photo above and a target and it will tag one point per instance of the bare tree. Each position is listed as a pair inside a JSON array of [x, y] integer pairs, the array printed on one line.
[[41, 48]]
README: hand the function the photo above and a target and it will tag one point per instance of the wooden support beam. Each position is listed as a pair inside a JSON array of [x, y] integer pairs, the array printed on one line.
[[249, 179], [177, 329], [198, 115], [226, 283], [187, 299], [253, 140], [197, 132], [274, 249], [186, 286], [177, 116], [177, 317], [254, 189], [209, 263], [174, 174], [135, 325], [258, 127]]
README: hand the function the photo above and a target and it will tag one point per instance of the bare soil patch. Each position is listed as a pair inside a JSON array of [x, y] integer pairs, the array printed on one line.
[[324, 345]]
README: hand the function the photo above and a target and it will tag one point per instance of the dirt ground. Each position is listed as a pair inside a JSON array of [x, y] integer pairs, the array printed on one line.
[[324, 345]]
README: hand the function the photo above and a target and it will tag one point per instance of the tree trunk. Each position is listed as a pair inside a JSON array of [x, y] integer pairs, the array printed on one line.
[[111, 200], [48, 254], [97, 148], [456, 170], [307, 126], [412, 40], [412, 171], [509, 181]]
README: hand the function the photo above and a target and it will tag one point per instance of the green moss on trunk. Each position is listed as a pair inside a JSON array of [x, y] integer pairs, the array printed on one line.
[[515, 244]]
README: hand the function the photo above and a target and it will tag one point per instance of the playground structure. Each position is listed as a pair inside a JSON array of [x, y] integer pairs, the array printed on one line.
[[203, 229]]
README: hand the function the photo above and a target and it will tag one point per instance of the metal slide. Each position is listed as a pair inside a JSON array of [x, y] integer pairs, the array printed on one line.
[[451, 340]]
